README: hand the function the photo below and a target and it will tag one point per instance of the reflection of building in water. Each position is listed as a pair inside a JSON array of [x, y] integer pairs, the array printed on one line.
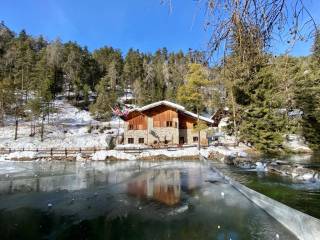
[[160, 185], [191, 179]]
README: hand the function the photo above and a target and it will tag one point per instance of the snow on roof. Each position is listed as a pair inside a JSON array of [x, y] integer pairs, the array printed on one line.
[[167, 103], [173, 105], [196, 116]]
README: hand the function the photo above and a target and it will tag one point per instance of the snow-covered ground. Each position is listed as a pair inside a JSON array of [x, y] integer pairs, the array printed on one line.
[[68, 128], [296, 144], [172, 153], [135, 155]]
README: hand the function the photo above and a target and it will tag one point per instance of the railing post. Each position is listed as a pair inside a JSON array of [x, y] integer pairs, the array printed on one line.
[[66, 152], [51, 152]]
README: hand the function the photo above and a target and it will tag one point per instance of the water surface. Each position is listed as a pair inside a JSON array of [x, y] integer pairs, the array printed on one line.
[[301, 195], [126, 200]]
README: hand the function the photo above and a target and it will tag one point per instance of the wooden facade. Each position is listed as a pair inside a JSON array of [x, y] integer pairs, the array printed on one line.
[[137, 121], [163, 116], [186, 122]]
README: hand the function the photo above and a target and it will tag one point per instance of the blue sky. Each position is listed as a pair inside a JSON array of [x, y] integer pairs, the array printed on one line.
[[143, 24]]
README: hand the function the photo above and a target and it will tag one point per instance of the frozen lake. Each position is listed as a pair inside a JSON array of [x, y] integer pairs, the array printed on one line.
[[126, 200]]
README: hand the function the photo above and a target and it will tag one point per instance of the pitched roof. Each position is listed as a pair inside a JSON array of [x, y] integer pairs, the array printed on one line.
[[164, 102], [175, 106]]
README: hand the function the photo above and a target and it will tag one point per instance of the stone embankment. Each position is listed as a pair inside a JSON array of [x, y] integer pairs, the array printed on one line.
[[284, 168]]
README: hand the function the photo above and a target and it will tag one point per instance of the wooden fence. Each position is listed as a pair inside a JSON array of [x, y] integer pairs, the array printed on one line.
[[72, 151], [53, 151]]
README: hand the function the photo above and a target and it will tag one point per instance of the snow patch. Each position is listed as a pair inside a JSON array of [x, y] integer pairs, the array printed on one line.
[[20, 155], [67, 128], [131, 146], [171, 153], [102, 155]]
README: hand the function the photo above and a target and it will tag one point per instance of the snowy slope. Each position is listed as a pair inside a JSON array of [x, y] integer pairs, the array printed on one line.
[[68, 128]]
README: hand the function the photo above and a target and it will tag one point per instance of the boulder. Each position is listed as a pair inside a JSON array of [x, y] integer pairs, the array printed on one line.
[[261, 167], [306, 174], [298, 172], [229, 159], [242, 154]]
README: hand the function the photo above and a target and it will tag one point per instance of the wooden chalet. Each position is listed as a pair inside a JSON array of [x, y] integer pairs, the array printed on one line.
[[163, 122]]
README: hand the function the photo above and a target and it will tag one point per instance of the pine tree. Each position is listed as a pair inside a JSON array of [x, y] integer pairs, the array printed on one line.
[[262, 124], [316, 47], [54, 53], [113, 76], [133, 68], [191, 93], [307, 96], [105, 100]]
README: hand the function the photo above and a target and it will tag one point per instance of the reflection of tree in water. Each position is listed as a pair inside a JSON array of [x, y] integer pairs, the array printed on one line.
[[53, 176]]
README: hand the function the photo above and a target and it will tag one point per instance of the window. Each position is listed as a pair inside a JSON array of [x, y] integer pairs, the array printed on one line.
[[195, 139], [175, 124], [130, 140], [194, 125], [141, 140], [130, 126], [169, 123]]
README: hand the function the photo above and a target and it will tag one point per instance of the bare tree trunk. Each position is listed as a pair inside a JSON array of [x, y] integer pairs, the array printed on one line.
[[31, 126], [48, 113], [16, 130], [2, 114], [42, 127], [34, 128]]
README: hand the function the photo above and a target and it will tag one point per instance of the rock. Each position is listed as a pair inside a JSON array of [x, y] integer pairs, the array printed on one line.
[[281, 162], [296, 144], [280, 169], [242, 154], [215, 155], [292, 137], [296, 171], [305, 174], [229, 159], [261, 167], [244, 163]]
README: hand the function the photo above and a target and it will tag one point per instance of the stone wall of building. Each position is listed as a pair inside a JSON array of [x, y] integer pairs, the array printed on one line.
[[171, 134], [135, 134], [189, 134]]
